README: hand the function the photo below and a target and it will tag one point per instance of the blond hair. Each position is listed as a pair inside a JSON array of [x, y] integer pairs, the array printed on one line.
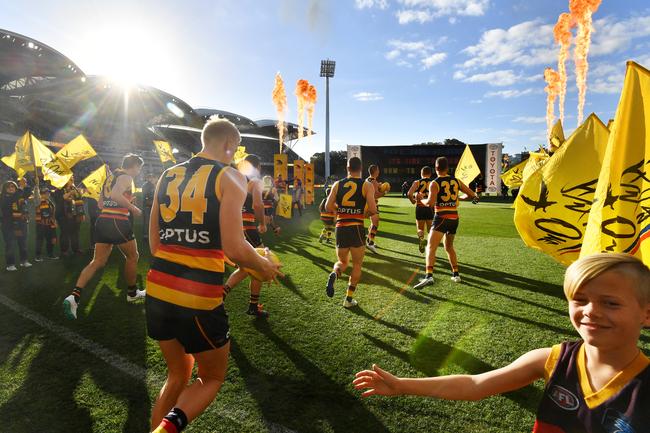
[[587, 268], [219, 130]]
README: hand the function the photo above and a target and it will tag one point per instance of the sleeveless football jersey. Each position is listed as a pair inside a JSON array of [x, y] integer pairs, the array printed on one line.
[[111, 208], [267, 198], [372, 180], [247, 211], [350, 201], [187, 270], [446, 204], [423, 187], [570, 405]]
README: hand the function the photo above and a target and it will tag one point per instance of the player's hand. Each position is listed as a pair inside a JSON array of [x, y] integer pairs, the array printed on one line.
[[136, 211], [261, 228], [377, 382], [475, 200], [269, 270]]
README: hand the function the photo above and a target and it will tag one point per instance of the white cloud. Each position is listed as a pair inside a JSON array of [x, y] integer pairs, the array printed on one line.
[[529, 119], [433, 59], [476, 101], [412, 15], [511, 93], [612, 84], [368, 4], [613, 36], [404, 53], [449, 7], [368, 96], [495, 78]]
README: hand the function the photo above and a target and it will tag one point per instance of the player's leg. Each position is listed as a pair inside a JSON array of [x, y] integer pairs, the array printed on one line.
[[342, 254], [131, 256], [433, 241], [328, 234], [100, 257], [235, 278], [357, 261], [254, 307], [372, 233], [40, 238], [453, 259], [179, 371], [422, 242]]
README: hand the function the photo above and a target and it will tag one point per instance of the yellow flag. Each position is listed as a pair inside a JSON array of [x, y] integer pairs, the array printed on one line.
[[619, 218], [53, 169], [298, 172], [240, 154], [467, 168], [552, 207], [22, 160], [280, 161], [557, 136], [513, 177], [534, 163], [164, 151], [94, 182], [610, 124], [75, 151], [284, 206], [309, 183]]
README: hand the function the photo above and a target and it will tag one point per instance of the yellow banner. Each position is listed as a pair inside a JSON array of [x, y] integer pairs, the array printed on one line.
[[280, 161], [75, 151], [467, 168], [284, 206], [557, 137], [513, 177], [22, 160], [553, 204], [619, 218], [298, 172], [534, 163], [240, 154], [54, 170], [164, 151], [95, 182], [309, 183]]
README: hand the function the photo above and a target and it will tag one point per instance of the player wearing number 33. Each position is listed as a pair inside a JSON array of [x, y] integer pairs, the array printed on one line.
[[196, 220], [443, 195]]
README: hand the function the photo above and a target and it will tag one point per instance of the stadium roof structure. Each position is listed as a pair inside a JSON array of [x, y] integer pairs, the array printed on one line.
[[268, 128], [242, 123]]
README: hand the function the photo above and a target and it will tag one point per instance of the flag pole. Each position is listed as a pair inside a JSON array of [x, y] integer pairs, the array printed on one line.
[[37, 191]]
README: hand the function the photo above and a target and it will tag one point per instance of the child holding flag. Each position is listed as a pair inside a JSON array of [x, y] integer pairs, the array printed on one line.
[[45, 226]]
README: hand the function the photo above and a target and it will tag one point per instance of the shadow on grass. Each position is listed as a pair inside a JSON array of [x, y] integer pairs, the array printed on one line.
[[295, 403]]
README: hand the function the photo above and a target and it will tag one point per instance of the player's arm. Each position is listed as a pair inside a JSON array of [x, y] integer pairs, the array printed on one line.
[[232, 193], [433, 192], [258, 205], [276, 197], [467, 190], [154, 225], [330, 206], [525, 370], [368, 190], [123, 183], [377, 189], [412, 191]]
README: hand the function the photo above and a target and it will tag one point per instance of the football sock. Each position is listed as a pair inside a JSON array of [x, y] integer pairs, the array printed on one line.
[[350, 292], [226, 290], [132, 290], [174, 422], [77, 294], [254, 300]]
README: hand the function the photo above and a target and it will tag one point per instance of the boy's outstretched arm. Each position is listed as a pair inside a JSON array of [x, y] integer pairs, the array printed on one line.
[[525, 370]]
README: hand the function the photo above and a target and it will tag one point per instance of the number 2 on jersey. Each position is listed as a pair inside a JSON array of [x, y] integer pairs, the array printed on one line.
[[352, 188], [193, 198]]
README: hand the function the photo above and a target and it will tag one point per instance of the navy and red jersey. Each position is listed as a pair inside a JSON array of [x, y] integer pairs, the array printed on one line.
[[326, 217], [268, 198], [570, 405], [187, 269], [112, 209], [247, 211], [350, 202], [44, 214], [423, 188], [446, 201]]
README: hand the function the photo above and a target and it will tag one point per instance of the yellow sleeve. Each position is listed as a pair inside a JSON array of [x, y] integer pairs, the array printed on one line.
[[551, 361]]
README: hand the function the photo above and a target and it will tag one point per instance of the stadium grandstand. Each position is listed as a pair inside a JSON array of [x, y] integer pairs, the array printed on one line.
[[43, 91]]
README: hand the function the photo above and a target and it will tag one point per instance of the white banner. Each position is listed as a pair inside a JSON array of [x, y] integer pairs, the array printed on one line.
[[354, 150], [492, 174]]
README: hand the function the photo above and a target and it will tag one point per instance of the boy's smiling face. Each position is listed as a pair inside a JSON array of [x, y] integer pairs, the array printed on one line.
[[607, 313]]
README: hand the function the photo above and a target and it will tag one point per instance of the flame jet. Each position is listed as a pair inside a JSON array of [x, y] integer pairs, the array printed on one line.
[[280, 101], [562, 35], [553, 85]]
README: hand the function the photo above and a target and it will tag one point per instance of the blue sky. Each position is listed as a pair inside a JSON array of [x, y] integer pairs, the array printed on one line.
[[408, 71]]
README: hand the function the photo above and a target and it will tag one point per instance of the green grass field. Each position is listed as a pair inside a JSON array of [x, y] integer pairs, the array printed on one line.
[[293, 372]]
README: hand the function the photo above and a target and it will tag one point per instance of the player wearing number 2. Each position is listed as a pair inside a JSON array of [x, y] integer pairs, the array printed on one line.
[[352, 199], [443, 194]]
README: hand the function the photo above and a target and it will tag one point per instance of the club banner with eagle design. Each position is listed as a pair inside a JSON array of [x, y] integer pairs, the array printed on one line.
[[280, 161], [552, 208]]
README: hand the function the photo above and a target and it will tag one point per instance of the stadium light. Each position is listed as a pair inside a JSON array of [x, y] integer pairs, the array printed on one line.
[[327, 68]]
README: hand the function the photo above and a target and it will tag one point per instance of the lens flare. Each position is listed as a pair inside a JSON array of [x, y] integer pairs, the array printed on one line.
[[552, 89], [562, 34], [581, 12], [280, 101]]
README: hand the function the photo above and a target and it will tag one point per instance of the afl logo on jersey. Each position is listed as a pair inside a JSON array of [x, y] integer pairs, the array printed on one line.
[[564, 398]]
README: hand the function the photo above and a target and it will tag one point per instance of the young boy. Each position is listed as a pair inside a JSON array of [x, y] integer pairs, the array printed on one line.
[[45, 226], [328, 220], [598, 384]]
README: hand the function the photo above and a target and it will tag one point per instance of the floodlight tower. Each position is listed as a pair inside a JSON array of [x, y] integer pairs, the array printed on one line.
[[327, 70]]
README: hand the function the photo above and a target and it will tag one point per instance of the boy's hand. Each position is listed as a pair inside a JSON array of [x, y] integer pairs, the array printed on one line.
[[378, 382], [261, 228]]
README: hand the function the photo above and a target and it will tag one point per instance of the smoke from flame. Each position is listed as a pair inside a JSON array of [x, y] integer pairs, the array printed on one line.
[[280, 101], [553, 88], [581, 12], [562, 34], [311, 104], [302, 87]]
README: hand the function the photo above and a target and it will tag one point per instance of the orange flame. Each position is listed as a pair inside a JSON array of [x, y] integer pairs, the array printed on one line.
[[302, 87], [280, 101], [581, 12], [311, 104], [562, 34], [552, 89]]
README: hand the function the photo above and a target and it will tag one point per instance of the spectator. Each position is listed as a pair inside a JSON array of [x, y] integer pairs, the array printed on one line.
[[73, 215], [405, 189], [93, 212], [281, 185], [45, 225], [14, 222], [298, 195]]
